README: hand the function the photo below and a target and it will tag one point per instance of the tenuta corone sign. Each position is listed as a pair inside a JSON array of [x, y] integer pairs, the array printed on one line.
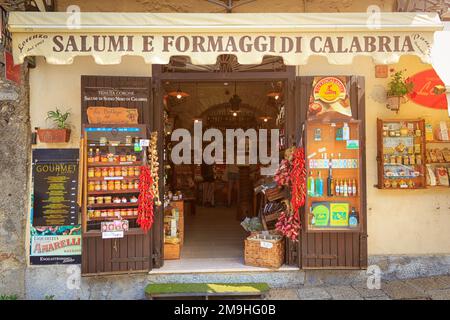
[[109, 48]]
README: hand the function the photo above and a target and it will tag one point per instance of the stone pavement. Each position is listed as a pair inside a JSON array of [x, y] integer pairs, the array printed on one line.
[[430, 288]]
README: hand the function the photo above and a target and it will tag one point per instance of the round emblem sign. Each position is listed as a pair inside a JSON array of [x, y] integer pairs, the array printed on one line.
[[329, 89]]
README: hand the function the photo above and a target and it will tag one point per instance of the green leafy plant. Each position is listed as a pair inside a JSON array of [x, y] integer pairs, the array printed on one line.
[[58, 118], [9, 297], [398, 86], [49, 297]]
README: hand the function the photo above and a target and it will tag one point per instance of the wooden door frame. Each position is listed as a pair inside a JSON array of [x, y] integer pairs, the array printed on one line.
[[158, 76]]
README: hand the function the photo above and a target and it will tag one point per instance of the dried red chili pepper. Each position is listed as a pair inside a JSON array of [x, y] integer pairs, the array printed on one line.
[[289, 222], [145, 207]]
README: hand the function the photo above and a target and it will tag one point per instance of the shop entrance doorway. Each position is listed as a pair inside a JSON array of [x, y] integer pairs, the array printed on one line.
[[205, 204]]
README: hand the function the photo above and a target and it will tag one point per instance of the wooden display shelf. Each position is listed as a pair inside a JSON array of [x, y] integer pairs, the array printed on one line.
[[113, 192], [416, 140], [115, 164], [313, 229], [438, 141], [438, 187], [109, 145], [403, 189], [333, 198], [121, 178], [112, 218], [113, 205]]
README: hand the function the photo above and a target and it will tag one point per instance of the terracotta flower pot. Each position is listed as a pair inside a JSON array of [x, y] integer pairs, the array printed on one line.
[[393, 103], [53, 135]]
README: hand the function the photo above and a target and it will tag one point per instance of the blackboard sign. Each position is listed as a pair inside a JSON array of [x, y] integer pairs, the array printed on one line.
[[55, 177]]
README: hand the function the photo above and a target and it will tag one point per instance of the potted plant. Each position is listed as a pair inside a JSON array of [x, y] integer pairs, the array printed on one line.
[[398, 88], [61, 133]]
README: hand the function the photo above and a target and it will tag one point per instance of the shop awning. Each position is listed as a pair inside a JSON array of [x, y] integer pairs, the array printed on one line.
[[441, 58], [60, 36]]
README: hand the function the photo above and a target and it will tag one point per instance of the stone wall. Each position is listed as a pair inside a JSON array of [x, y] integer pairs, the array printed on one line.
[[14, 186]]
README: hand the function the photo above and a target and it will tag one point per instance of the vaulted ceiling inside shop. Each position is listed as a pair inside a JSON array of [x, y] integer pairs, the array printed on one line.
[[207, 97]]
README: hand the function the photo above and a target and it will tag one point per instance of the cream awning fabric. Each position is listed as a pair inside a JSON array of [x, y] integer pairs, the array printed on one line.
[[60, 36]]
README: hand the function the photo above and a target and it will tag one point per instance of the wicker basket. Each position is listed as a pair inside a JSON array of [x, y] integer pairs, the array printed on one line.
[[264, 253]]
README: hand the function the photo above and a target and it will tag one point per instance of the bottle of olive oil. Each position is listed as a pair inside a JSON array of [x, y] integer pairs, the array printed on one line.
[[330, 183]]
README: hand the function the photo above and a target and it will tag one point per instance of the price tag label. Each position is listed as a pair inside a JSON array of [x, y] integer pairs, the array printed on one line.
[[112, 234], [144, 142], [266, 244]]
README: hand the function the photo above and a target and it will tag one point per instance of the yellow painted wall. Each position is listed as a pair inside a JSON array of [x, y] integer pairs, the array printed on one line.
[[56, 86], [399, 222]]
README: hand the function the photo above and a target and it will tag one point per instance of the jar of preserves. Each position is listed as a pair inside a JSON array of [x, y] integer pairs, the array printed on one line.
[[91, 186], [124, 185], [117, 213], [136, 184], [110, 212], [98, 186], [116, 200], [97, 172], [118, 172], [107, 199], [124, 200], [406, 160], [104, 172], [124, 171], [104, 158], [130, 171], [137, 171], [130, 212], [130, 185], [90, 157], [91, 173], [129, 157], [91, 213], [110, 185], [104, 186], [97, 213], [91, 200], [123, 157], [99, 200], [117, 185], [103, 213], [111, 171]]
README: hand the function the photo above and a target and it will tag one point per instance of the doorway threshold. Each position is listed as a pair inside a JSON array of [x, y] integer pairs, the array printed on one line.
[[213, 265]]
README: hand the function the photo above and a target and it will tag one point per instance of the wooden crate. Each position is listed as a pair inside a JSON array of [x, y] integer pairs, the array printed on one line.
[[171, 251], [180, 206], [259, 256]]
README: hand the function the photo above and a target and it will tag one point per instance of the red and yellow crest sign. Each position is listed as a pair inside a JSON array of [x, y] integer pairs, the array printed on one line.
[[329, 89]]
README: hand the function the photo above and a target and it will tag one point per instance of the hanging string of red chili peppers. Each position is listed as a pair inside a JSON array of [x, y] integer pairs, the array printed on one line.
[[289, 221], [148, 186], [145, 208]]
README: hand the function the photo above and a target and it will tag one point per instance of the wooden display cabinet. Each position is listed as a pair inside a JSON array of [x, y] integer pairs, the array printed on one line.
[[111, 172], [401, 154], [328, 148]]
